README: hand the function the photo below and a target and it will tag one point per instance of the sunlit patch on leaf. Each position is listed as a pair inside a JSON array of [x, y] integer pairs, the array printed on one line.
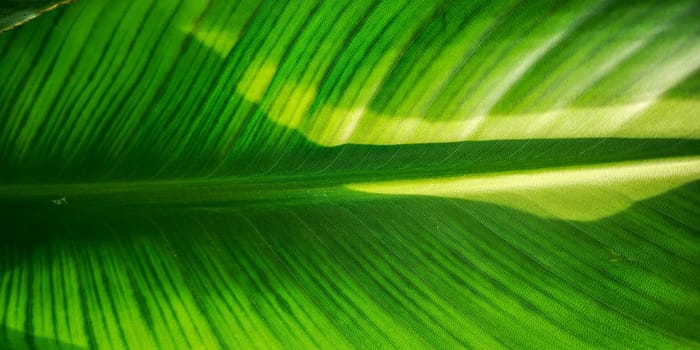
[[579, 193], [351, 174]]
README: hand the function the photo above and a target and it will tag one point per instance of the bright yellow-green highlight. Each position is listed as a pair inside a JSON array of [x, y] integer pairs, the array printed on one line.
[[219, 41], [625, 106], [256, 81], [577, 193], [209, 32], [334, 126]]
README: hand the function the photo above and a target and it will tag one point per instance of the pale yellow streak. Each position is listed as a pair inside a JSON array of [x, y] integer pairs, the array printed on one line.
[[256, 80], [360, 125], [219, 41], [497, 92], [220, 37], [363, 126], [332, 125], [582, 193], [291, 104], [662, 79]]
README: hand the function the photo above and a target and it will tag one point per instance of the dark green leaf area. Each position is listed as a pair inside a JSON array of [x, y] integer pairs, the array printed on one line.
[[370, 271]]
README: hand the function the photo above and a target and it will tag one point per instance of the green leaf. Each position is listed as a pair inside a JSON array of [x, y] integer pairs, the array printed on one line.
[[351, 174], [14, 13]]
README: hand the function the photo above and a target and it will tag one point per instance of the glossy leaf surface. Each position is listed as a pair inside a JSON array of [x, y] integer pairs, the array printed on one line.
[[339, 174]]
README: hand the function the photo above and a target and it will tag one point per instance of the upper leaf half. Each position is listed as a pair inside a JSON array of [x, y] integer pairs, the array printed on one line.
[[171, 89]]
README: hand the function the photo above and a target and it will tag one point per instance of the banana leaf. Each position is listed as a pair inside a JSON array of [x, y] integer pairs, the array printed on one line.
[[209, 174]]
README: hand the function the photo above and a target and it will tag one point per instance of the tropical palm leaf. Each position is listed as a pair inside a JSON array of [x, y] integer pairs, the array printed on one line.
[[339, 174]]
